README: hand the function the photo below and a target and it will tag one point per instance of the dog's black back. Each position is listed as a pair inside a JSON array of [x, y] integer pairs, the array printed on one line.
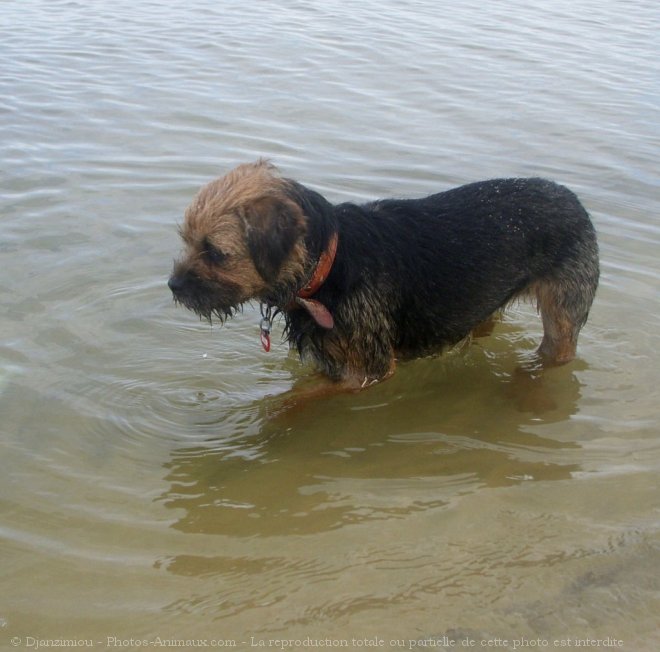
[[415, 275]]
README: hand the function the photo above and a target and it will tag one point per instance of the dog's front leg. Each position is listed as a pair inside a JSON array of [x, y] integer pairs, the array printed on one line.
[[320, 387]]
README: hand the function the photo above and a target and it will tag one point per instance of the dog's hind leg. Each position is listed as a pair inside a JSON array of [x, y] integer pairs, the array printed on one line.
[[564, 301], [560, 329]]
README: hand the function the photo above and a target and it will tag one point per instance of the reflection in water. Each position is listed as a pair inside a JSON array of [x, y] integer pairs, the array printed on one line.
[[340, 509], [306, 470]]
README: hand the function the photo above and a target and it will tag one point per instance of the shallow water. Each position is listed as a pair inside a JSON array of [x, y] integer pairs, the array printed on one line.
[[151, 487]]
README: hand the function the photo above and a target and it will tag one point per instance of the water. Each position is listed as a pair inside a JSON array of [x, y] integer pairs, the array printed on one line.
[[152, 489]]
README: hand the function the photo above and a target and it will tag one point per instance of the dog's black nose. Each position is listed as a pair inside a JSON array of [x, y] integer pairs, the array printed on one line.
[[175, 283]]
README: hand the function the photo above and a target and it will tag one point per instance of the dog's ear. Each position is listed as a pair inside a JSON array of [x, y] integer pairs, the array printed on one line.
[[274, 226]]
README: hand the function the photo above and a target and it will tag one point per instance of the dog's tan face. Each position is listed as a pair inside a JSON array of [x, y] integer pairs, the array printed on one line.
[[243, 237]]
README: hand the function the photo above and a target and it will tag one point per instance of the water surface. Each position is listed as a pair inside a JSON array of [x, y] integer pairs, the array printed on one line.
[[150, 485]]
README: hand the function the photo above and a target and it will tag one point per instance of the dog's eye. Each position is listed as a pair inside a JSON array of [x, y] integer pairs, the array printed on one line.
[[213, 254]]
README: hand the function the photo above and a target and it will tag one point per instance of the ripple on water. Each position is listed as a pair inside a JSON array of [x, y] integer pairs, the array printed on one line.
[[144, 464]]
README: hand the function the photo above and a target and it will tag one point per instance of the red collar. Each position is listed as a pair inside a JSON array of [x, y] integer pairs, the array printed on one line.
[[319, 313], [322, 270]]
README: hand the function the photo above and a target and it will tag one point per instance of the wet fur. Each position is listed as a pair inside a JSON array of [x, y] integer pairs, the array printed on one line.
[[411, 276]]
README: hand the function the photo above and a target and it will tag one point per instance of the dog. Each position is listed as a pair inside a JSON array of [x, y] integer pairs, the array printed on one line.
[[362, 286]]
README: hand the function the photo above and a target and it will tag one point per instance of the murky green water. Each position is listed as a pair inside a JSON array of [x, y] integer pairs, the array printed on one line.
[[151, 488]]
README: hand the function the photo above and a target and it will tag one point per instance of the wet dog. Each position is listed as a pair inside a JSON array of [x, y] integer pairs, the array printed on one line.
[[361, 286]]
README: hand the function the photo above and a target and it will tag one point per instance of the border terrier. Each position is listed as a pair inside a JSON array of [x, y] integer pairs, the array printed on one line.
[[361, 286]]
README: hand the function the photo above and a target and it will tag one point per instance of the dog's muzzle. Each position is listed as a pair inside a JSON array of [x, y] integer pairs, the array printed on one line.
[[203, 297]]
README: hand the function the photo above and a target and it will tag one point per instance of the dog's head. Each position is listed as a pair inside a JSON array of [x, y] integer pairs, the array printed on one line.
[[244, 238]]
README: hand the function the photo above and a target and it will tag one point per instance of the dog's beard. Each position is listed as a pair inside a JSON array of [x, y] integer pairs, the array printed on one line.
[[209, 301], [207, 311]]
